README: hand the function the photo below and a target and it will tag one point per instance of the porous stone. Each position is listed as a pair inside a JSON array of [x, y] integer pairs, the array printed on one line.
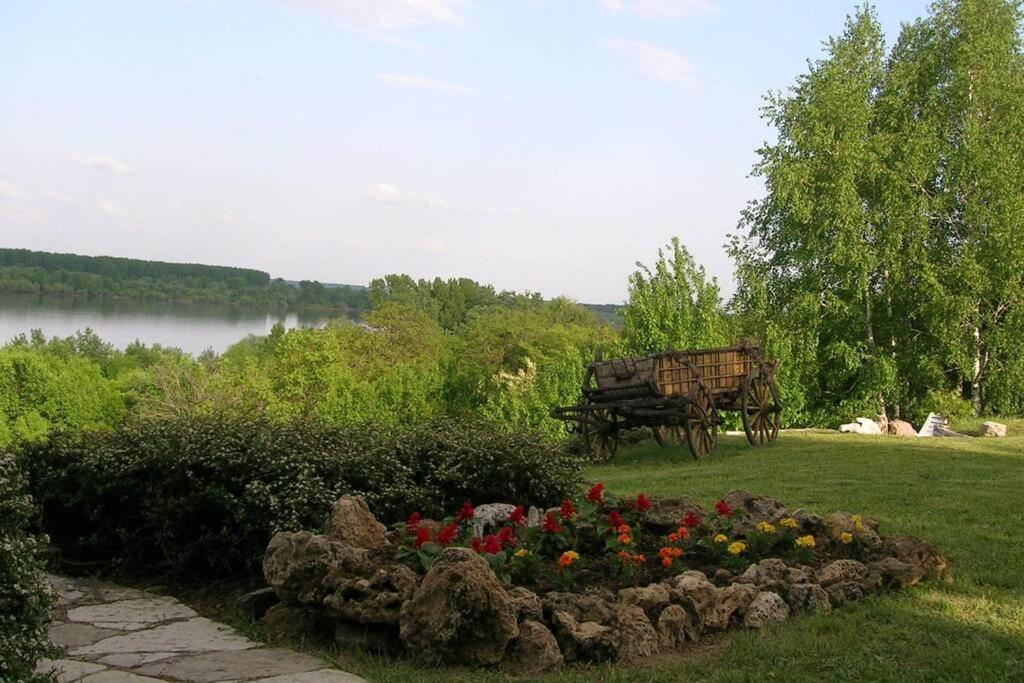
[[898, 574], [526, 603], [841, 570], [636, 636], [699, 598], [809, 596], [296, 562], [191, 635], [131, 615], [766, 608], [838, 523], [534, 652], [352, 523], [651, 599], [913, 550], [376, 599], [844, 591], [586, 641], [287, 622], [593, 604], [730, 602], [459, 613], [666, 514], [989, 428], [675, 626], [756, 508], [210, 667], [490, 515]]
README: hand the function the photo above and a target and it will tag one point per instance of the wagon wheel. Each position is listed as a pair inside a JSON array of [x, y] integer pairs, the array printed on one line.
[[600, 433], [701, 423], [668, 435], [760, 405]]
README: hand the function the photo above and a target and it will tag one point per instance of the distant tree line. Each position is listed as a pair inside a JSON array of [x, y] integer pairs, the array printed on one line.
[[105, 277]]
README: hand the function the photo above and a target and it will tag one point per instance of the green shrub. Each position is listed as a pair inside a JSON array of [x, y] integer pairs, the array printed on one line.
[[25, 595], [203, 495]]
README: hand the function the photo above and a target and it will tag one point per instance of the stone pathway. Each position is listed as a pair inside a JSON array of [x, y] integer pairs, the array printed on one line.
[[122, 635]]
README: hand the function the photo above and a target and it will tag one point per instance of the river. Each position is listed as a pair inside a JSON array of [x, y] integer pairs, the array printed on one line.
[[190, 327]]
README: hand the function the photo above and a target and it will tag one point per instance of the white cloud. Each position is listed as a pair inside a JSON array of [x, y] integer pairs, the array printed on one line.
[[59, 198], [424, 83], [7, 190], [102, 162], [655, 62], [384, 16], [110, 209], [668, 9], [389, 194]]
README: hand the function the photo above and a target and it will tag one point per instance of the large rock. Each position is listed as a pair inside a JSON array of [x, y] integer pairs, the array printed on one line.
[[352, 522], [593, 604], [637, 638], [913, 550], [839, 523], [460, 613], [288, 622], [844, 591], [651, 599], [731, 603], [809, 596], [666, 514], [676, 625], [862, 425], [585, 641], [767, 608], [256, 603], [901, 428], [376, 599], [898, 574], [534, 652], [296, 563], [374, 638], [526, 604], [757, 508], [490, 515], [841, 570], [699, 598], [992, 429]]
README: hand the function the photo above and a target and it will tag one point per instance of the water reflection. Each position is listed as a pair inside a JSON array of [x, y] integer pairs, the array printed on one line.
[[192, 327]]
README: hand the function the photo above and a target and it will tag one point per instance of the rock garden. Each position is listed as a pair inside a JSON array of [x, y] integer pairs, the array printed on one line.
[[597, 579]]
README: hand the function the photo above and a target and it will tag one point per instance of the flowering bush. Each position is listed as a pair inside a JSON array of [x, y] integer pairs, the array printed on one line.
[[606, 539]]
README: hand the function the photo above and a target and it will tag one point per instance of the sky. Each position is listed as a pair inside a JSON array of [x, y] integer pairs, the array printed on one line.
[[537, 145]]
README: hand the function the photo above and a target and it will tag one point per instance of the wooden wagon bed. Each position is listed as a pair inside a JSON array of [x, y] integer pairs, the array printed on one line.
[[678, 394]]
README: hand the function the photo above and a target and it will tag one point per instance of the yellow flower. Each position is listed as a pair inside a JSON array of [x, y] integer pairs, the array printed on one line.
[[737, 547], [805, 541], [766, 528], [846, 537], [721, 538], [858, 522], [789, 523], [521, 553]]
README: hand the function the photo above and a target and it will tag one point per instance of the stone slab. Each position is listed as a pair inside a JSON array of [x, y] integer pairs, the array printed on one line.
[[131, 615], [319, 676], [212, 667], [192, 635], [130, 660], [68, 669], [111, 676], [71, 636]]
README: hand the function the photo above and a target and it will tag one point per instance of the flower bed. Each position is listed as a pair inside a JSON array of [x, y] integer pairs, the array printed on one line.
[[595, 579]]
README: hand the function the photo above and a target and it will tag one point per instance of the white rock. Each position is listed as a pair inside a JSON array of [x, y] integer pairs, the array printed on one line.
[[992, 429], [863, 425]]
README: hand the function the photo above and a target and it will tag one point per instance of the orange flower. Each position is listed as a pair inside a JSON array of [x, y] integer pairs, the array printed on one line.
[[624, 539], [566, 560]]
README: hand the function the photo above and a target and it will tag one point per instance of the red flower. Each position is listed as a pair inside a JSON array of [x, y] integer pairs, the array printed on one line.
[[507, 536], [550, 525], [413, 523], [422, 536], [492, 546], [615, 519], [476, 544], [465, 512], [691, 520], [446, 535], [517, 516], [596, 493], [567, 510], [643, 503], [722, 508]]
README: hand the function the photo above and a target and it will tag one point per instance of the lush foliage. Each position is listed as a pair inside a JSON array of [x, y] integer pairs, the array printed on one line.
[[885, 263], [204, 494], [106, 277], [25, 595]]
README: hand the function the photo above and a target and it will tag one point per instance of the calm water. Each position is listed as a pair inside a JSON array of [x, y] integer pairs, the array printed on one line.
[[191, 327]]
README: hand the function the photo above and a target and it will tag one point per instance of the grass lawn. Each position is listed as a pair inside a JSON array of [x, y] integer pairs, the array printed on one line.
[[964, 495]]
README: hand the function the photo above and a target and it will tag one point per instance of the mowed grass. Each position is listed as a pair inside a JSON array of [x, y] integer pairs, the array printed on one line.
[[964, 495]]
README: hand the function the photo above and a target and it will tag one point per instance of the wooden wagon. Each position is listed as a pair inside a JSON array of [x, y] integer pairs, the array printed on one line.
[[677, 394]]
